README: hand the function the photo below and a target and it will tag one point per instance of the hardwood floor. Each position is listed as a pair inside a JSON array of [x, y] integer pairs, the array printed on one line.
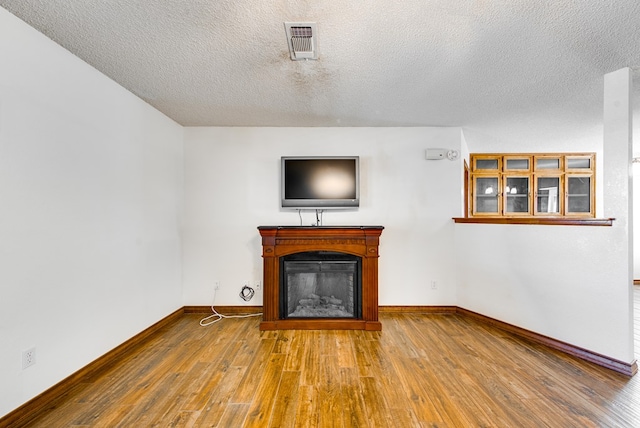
[[420, 371]]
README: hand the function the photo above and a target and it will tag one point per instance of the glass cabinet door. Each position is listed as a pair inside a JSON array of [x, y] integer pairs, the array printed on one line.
[[517, 163], [579, 163], [486, 198], [487, 163], [579, 194], [548, 195], [547, 163], [516, 193]]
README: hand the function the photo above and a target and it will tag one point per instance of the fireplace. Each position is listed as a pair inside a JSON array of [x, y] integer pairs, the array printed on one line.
[[320, 284], [320, 277]]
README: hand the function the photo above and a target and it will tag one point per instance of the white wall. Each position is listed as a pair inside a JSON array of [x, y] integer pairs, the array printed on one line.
[[559, 281], [90, 198], [232, 187], [636, 218], [567, 282]]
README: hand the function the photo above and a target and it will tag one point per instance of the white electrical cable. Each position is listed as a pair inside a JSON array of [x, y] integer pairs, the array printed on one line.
[[205, 321]]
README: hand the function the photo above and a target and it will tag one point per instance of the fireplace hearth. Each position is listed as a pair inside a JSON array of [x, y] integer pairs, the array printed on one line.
[[320, 277]]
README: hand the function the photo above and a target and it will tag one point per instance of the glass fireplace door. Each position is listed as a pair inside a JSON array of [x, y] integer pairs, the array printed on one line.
[[320, 285]]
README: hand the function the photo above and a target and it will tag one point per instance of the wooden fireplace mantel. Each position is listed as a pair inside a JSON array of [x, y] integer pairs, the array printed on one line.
[[278, 241]]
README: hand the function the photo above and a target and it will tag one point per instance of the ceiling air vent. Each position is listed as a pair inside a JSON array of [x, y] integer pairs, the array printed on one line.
[[302, 38]]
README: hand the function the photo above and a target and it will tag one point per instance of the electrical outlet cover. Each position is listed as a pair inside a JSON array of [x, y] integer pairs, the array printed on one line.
[[28, 358]]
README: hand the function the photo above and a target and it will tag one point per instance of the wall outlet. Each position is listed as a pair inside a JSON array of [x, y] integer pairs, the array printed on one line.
[[28, 358], [434, 285], [216, 285]]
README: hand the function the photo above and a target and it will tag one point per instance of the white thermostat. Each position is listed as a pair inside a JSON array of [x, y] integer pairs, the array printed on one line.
[[437, 154]]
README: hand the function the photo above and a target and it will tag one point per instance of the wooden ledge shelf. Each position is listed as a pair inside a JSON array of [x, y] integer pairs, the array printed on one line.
[[549, 221]]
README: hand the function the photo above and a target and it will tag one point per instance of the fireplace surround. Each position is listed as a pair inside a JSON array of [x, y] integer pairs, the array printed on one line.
[[332, 252]]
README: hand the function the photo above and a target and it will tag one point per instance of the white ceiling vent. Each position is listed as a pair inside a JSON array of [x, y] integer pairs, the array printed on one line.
[[303, 40]]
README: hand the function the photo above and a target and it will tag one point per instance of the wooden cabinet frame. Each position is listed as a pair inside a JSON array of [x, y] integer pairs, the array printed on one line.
[[561, 166]]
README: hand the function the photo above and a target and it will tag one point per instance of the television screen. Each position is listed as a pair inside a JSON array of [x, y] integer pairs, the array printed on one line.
[[320, 182]]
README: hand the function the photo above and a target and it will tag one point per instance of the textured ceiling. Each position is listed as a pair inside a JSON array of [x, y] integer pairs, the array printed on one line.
[[487, 66]]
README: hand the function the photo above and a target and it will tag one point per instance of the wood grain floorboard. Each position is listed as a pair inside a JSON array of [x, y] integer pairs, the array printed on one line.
[[286, 402], [307, 410], [422, 370]]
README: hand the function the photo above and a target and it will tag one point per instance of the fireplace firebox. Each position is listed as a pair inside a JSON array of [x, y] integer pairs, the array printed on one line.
[[320, 277], [320, 284]]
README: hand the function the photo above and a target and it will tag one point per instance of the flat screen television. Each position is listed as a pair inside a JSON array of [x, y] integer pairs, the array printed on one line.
[[320, 182]]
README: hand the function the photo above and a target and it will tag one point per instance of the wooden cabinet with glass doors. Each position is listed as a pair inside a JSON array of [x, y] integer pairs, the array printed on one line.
[[517, 185], [579, 185], [486, 184]]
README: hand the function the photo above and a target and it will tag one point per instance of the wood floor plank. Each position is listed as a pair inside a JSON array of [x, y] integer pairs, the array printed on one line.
[[153, 403], [284, 339], [373, 398], [295, 358], [246, 347], [381, 353], [260, 410], [422, 370], [198, 393], [286, 401], [186, 419], [403, 417], [112, 417], [184, 392], [219, 397], [307, 411], [363, 359], [214, 362], [234, 415], [330, 404], [344, 349], [355, 413], [310, 360], [255, 369]]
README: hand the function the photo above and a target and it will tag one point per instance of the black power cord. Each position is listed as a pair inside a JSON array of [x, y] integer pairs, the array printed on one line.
[[247, 293], [215, 317]]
